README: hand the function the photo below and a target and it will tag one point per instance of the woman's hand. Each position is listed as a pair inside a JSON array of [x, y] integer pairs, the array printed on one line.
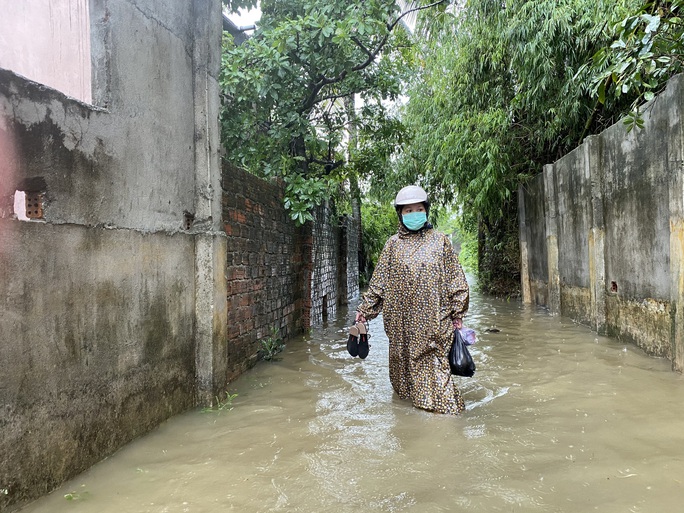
[[458, 324], [359, 318]]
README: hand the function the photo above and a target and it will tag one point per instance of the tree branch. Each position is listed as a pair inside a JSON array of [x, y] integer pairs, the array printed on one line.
[[415, 9], [371, 55], [329, 165], [360, 45], [333, 97]]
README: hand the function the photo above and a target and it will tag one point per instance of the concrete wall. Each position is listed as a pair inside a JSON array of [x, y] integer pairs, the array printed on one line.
[[534, 271], [139, 287], [49, 41], [113, 315], [608, 249]]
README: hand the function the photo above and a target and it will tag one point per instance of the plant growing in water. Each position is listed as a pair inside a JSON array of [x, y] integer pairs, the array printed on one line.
[[272, 345], [221, 404], [77, 496]]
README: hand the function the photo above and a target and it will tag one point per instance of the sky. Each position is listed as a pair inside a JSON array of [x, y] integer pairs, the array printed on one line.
[[245, 17], [251, 16]]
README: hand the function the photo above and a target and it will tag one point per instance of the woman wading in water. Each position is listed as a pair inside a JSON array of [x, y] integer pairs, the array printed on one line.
[[419, 286]]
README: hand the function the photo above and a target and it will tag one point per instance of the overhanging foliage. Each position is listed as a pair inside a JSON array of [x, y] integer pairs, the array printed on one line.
[[497, 89], [495, 97], [646, 50], [284, 89]]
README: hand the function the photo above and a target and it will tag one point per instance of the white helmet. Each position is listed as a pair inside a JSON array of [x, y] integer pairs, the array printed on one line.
[[409, 195]]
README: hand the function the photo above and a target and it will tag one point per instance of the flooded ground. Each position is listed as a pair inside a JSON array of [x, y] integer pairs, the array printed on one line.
[[558, 420]]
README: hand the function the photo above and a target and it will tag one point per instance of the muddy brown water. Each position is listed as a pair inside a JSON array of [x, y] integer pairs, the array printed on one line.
[[558, 420]]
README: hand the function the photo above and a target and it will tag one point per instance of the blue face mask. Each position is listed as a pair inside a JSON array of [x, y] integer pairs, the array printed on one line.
[[415, 220]]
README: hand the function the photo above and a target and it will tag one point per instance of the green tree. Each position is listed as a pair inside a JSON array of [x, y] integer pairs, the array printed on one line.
[[646, 50], [493, 98], [235, 6], [450, 222], [283, 90]]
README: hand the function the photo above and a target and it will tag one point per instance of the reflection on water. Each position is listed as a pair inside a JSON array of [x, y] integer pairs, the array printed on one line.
[[558, 420]]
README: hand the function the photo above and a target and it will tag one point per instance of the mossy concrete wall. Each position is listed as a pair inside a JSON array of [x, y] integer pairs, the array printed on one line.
[[113, 301], [603, 233]]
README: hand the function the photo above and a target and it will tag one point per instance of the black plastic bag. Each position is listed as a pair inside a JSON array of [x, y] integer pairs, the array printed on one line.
[[460, 361]]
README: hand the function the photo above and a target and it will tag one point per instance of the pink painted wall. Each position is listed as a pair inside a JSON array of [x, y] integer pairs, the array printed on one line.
[[48, 41]]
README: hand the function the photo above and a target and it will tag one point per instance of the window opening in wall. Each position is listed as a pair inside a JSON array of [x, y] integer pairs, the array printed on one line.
[[325, 308], [48, 41]]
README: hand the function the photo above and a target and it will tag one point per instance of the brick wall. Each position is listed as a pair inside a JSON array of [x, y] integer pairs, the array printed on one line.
[[278, 275], [348, 259], [325, 251], [266, 267]]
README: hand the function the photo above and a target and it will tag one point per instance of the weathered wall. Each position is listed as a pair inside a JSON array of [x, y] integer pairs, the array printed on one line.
[[612, 234], [130, 299], [280, 277], [96, 346], [324, 277], [535, 271], [266, 260], [333, 272], [348, 263], [570, 184], [101, 334], [28, 46]]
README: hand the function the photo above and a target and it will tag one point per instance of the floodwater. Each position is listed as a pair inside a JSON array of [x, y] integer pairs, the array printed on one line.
[[558, 420]]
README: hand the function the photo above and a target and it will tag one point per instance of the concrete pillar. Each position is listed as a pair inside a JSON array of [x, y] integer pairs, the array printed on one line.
[[524, 260], [675, 157], [597, 234], [676, 204], [677, 265], [211, 314], [552, 239]]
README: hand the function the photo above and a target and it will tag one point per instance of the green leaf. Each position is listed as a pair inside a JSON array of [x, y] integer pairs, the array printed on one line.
[[653, 22], [602, 93]]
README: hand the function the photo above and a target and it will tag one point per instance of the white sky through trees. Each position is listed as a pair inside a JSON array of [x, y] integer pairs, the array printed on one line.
[[245, 17]]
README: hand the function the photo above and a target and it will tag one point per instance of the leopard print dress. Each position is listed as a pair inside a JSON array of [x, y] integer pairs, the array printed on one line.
[[420, 287]]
